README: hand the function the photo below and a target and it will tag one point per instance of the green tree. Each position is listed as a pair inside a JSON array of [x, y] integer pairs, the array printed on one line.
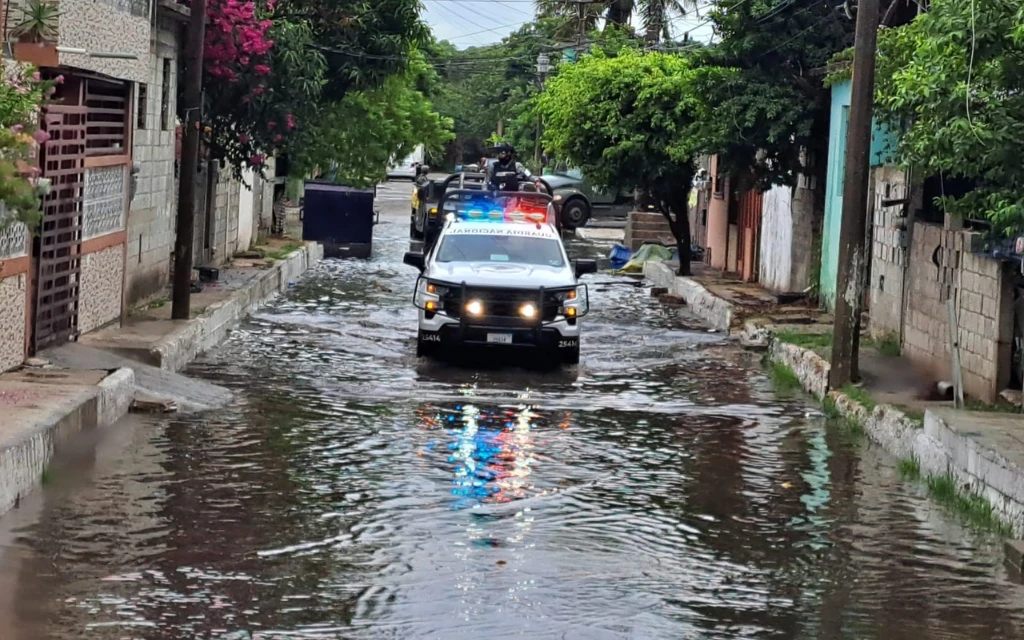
[[775, 106], [953, 77], [354, 139], [635, 121]]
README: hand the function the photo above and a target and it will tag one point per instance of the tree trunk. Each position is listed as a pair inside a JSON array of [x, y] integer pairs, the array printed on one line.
[[673, 204], [619, 12]]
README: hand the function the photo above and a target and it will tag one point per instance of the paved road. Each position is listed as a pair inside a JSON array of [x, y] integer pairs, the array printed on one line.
[[661, 490]]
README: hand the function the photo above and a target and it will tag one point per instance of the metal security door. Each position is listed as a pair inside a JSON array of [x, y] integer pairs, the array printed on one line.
[[59, 247]]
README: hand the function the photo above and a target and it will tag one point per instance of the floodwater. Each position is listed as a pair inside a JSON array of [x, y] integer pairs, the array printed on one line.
[[660, 491]]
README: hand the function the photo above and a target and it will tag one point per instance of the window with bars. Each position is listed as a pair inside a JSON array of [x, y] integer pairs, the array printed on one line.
[[142, 107], [108, 112]]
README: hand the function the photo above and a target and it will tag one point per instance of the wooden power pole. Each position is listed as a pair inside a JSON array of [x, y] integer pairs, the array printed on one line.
[[852, 255], [192, 101]]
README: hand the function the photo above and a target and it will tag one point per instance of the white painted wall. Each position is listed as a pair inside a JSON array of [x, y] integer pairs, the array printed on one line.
[[245, 211], [777, 239]]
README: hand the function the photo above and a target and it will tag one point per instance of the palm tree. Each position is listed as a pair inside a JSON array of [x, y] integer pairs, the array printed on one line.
[[655, 15]]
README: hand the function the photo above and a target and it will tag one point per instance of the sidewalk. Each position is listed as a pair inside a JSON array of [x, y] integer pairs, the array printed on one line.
[[725, 303], [151, 337], [92, 384], [971, 461]]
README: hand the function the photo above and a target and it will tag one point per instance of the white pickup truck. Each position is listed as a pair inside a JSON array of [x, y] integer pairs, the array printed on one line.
[[498, 276]]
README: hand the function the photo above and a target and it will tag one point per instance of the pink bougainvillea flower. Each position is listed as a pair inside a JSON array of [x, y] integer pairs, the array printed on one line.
[[278, 138], [271, 125], [17, 128], [244, 139], [289, 121], [36, 76], [261, 70], [41, 136], [257, 90], [244, 60], [256, 159], [271, 4], [59, 79]]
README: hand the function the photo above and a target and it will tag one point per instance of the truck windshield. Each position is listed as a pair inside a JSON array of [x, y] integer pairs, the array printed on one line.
[[500, 248]]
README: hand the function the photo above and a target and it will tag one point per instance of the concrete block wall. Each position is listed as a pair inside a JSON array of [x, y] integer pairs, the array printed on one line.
[[154, 207], [642, 227], [888, 255], [226, 212], [983, 296]]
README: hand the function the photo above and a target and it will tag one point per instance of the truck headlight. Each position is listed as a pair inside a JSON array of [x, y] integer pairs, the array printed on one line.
[[528, 311], [475, 308]]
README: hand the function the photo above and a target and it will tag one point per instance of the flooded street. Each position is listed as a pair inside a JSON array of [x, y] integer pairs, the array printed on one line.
[[660, 490]]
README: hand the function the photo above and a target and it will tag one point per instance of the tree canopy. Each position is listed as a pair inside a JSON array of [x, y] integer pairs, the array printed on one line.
[[953, 78], [635, 121], [776, 102], [354, 139]]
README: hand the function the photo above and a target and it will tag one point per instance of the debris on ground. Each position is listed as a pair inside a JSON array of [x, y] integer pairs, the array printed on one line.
[[646, 253]]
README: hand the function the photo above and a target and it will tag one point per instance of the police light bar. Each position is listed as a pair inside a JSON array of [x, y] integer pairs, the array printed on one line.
[[521, 212]]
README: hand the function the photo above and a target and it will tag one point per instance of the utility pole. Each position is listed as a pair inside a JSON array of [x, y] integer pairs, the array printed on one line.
[[543, 67], [192, 101], [852, 256], [581, 25]]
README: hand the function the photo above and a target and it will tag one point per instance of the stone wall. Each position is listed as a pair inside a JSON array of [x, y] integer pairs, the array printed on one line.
[[100, 288], [13, 299], [888, 251], [13, 293], [154, 207], [107, 26], [941, 269]]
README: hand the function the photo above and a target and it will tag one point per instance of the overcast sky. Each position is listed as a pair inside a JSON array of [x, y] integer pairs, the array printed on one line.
[[466, 23]]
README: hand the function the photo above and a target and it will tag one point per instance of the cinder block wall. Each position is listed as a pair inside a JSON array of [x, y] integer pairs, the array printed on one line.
[[983, 296], [888, 256], [154, 207]]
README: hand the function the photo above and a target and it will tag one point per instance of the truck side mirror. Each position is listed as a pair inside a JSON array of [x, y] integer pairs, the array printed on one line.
[[415, 259], [583, 267]]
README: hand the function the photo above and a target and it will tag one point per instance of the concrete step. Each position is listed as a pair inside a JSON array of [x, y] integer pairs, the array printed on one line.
[[188, 394]]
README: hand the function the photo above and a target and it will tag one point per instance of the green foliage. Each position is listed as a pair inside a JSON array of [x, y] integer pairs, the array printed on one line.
[[910, 468], [22, 94], [953, 78], [773, 107], [860, 396], [635, 121], [354, 139], [39, 21], [806, 340], [974, 508], [783, 378]]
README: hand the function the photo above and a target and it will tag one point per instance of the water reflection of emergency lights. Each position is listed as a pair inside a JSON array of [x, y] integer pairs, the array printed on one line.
[[493, 454]]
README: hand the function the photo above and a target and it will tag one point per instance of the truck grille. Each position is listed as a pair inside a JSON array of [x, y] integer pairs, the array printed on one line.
[[501, 306]]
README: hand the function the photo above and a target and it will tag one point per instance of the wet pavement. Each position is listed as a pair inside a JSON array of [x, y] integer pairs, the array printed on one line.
[[661, 490]]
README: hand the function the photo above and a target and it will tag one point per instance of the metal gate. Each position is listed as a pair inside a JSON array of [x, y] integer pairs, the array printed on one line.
[[59, 246], [748, 242]]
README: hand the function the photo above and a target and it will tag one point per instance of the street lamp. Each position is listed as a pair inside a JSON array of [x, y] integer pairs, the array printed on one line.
[[543, 67]]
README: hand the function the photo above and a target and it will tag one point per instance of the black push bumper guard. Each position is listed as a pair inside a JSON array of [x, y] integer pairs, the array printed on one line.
[[538, 325]]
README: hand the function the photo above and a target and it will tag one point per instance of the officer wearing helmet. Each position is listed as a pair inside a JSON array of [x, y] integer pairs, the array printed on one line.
[[505, 163]]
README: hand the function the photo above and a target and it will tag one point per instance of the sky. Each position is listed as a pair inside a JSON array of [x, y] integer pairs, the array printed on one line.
[[467, 23]]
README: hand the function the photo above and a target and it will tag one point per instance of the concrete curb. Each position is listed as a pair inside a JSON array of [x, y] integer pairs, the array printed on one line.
[[115, 397], [201, 334], [938, 448], [715, 311]]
